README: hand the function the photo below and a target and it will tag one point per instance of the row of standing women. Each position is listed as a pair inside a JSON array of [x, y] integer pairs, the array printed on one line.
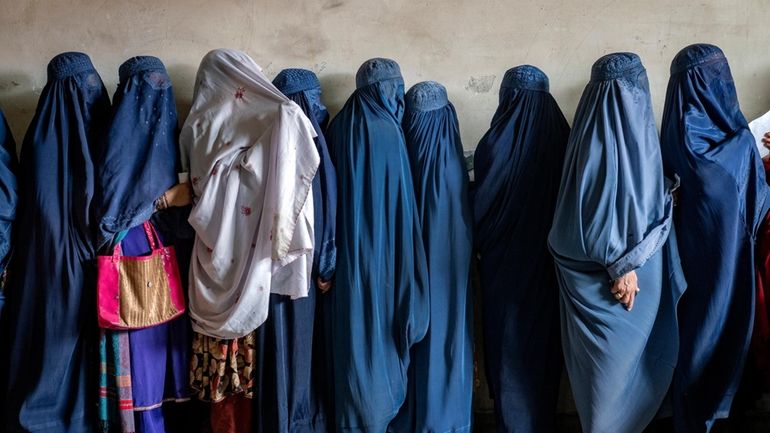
[[329, 285]]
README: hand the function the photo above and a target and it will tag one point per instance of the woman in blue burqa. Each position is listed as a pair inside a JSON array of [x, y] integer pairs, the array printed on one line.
[[441, 372], [616, 259], [379, 303], [136, 174], [518, 166], [9, 197], [292, 376], [49, 371], [724, 198]]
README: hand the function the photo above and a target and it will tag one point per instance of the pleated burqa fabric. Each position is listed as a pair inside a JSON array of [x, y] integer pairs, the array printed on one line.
[[138, 163], [441, 372], [49, 324], [706, 141], [9, 197], [292, 378], [613, 216], [517, 166], [380, 301]]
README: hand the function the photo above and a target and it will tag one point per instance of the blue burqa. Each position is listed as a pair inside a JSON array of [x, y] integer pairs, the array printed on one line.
[[8, 195], [138, 163], [613, 216], [291, 390], [723, 199], [49, 324], [441, 372], [379, 302], [140, 158], [517, 166]]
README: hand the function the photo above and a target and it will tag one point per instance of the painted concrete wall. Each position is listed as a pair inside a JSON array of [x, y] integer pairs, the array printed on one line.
[[467, 45]]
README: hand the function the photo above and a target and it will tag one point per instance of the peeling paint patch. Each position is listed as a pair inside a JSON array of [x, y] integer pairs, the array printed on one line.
[[480, 84], [319, 67]]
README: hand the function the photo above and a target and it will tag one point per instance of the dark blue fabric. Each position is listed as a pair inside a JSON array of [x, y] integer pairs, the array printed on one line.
[[380, 302], [8, 195], [613, 216], [723, 199], [295, 81], [517, 168], [49, 325], [292, 378], [441, 373], [139, 160]]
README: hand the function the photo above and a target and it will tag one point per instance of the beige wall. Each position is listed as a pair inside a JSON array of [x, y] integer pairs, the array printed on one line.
[[467, 45]]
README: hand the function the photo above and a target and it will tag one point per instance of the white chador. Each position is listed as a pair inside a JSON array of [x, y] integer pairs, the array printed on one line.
[[251, 160]]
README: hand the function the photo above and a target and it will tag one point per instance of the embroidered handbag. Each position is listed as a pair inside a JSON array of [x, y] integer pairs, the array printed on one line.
[[139, 292]]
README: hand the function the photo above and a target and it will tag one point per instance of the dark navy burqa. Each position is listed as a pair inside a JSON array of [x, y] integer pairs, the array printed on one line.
[[8, 195], [292, 378], [518, 165], [140, 158], [138, 163], [49, 359], [441, 372], [722, 201], [379, 302], [613, 216]]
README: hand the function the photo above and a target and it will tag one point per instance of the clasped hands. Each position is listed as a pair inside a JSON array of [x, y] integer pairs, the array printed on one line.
[[625, 289]]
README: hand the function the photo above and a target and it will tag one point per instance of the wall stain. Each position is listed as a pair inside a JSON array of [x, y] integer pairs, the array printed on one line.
[[4, 85], [333, 4], [480, 84]]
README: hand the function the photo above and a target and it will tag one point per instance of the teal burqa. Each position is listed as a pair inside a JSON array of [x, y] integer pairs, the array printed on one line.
[[613, 216], [379, 302], [441, 373]]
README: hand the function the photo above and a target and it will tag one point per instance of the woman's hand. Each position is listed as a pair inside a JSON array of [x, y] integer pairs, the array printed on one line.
[[323, 286], [624, 290], [177, 196]]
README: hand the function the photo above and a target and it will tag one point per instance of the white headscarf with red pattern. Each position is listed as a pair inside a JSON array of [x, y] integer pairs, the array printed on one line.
[[252, 159]]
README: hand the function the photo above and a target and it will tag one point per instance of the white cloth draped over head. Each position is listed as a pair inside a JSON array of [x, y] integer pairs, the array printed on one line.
[[252, 159]]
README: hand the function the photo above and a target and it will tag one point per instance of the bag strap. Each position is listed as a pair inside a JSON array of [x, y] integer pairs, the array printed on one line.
[[152, 236]]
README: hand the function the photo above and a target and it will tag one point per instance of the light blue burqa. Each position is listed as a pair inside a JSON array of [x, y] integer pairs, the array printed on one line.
[[613, 216]]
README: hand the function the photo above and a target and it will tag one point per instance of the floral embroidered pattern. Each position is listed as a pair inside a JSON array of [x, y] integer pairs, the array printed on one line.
[[245, 210], [220, 368], [239, 93]]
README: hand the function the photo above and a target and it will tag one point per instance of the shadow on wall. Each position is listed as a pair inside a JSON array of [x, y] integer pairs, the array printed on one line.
[[19, 99], [336, 89], [183, 81], [760, 93]]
